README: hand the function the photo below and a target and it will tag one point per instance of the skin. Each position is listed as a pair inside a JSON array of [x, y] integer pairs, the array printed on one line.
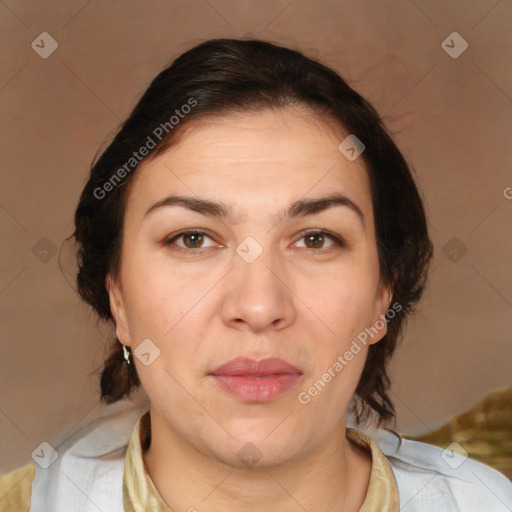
[[304, 303]]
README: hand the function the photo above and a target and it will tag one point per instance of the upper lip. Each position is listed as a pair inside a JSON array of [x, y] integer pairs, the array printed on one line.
[[246, 366]]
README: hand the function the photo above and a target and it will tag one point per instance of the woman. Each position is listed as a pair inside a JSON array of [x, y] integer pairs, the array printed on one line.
[[258, 241]]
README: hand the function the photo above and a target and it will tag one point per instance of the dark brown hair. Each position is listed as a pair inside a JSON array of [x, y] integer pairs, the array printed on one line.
[[225, 76]]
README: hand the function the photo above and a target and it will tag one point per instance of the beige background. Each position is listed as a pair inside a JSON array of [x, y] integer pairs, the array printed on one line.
[[451, 117]]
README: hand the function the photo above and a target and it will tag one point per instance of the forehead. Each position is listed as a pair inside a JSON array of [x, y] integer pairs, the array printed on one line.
[[252, 159]]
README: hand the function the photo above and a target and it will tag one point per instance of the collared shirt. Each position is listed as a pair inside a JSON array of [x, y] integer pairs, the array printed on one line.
[[91, 466], [140, 493]]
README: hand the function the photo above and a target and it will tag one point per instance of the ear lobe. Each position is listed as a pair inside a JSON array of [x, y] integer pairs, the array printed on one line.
[[117, 308]]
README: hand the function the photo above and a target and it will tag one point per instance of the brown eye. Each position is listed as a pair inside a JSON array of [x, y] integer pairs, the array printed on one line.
[[315, 240], [195, 240]]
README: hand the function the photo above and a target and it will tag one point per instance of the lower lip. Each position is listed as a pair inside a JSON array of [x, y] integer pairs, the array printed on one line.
[[257, 389]]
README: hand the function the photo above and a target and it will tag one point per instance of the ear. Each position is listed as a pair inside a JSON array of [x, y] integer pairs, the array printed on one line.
[[382, 303], [117, 307]]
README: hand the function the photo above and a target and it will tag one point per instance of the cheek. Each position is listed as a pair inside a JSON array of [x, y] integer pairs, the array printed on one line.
[[155, 295], [165, 307], [344, 302]]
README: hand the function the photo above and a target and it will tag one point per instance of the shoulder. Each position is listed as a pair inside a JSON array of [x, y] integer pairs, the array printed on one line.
[[83, 470], [430, 478], [16, 489]]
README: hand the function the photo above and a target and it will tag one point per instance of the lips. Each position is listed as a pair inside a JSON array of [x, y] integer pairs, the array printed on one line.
[[243, 366], [256, 381]]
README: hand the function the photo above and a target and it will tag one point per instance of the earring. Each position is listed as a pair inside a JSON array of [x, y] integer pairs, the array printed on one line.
[[126, 354]]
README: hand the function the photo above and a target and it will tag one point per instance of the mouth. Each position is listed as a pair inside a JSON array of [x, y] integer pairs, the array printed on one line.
[[256, 381]]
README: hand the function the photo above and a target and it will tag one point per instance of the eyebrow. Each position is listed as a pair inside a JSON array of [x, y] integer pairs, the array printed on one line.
[[299, 208]]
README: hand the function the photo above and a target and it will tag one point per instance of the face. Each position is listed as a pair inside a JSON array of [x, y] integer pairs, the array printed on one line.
[[252, 278]]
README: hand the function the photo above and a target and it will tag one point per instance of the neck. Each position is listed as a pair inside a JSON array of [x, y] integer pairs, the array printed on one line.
[[333, 477]]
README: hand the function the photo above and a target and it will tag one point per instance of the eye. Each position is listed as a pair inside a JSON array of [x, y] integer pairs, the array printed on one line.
[[192, 239], [315, 239]]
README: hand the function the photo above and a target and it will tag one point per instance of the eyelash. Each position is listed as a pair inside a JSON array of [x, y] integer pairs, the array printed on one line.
[[337, 241]]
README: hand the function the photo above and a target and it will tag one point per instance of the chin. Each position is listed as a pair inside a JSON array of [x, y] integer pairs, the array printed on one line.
[[253, 457], [256, 449]]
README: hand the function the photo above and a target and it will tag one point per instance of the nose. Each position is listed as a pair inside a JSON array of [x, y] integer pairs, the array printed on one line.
[[258, 296]]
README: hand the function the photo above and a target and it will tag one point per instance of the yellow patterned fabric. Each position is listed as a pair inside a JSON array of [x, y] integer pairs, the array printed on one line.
[[16, 489], [484, 431], [140, 493], [382, 493]]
